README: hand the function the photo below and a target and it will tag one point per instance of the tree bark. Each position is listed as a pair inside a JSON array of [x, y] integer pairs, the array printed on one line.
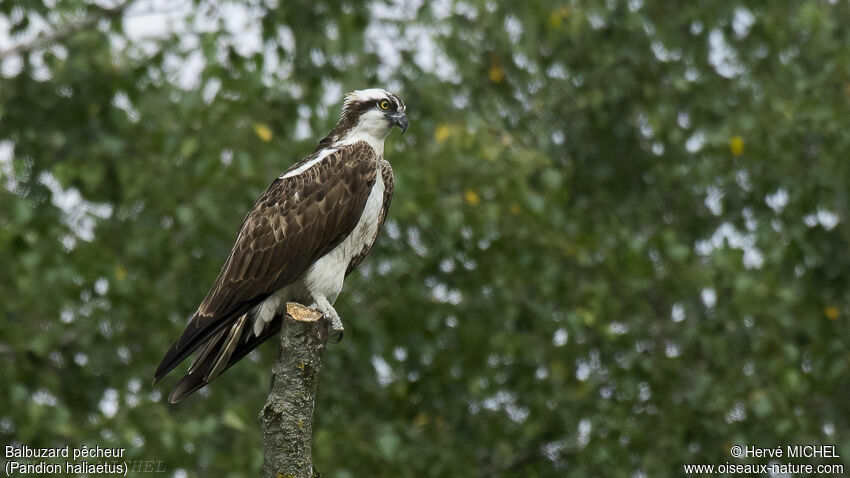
[[287, 417]]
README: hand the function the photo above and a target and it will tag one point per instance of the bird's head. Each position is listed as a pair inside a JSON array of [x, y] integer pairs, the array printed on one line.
[[369, 115], [376, 110]]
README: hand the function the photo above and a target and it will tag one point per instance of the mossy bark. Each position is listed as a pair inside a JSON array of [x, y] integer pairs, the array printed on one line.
[[287, 417]]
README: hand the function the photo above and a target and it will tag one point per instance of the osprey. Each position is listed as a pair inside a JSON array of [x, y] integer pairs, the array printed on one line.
[[308, 231]]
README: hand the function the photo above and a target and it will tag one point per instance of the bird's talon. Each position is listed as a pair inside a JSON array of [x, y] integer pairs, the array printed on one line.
[[336, 335]]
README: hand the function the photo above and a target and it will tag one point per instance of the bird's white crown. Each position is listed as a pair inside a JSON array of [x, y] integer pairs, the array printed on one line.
[[371, 94]]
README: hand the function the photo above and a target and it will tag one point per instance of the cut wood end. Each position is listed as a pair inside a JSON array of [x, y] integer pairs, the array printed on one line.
[[302, 313]]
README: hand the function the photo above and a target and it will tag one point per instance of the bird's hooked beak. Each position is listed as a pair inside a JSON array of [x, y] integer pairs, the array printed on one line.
[[400, 120]]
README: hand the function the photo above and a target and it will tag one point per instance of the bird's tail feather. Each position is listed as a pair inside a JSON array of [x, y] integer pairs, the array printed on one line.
[[199, 331], [227, 348], [222, 351], [210, 347]]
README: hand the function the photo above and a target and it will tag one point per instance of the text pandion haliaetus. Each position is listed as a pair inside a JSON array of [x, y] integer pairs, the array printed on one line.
[[306, 233]]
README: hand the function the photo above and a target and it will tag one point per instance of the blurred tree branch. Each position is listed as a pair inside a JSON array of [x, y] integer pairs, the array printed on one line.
[[287, 417], [48, 37]]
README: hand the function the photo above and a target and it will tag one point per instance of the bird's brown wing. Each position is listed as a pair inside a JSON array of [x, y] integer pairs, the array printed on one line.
[[295, 222]]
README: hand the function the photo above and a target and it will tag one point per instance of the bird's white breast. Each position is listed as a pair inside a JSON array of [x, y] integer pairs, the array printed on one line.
[[325, 276]]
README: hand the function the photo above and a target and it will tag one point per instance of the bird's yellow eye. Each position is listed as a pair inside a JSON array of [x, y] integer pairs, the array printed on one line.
[[384, 105]]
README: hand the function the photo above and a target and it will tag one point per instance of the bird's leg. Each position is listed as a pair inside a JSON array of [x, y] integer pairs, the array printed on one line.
[[325, 307]]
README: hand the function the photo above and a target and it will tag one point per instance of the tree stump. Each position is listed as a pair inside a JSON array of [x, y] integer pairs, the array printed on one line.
[[287, 417]]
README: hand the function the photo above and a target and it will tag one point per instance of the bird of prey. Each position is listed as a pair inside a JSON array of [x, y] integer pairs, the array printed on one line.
[[310, 229]]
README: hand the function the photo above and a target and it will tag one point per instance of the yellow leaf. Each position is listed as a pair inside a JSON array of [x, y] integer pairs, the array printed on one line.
[[472, 197], [831, 312], [736, 145], [263, 131], [556, 18], [420, 420], [514, 208], [441, 133], [496, 73], [120, 273]]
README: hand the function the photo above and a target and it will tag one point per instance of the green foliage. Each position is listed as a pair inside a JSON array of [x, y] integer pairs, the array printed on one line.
[[618, 242]]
